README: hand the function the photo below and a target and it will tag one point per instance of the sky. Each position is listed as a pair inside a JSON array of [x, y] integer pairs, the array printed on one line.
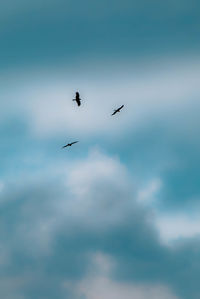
[[116, 215]]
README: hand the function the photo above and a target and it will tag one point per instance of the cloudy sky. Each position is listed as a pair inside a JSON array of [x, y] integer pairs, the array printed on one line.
[[118, 214]]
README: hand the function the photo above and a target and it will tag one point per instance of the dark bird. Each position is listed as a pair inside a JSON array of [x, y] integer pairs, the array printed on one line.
[[117, 110], [69, 144], [77, 99]]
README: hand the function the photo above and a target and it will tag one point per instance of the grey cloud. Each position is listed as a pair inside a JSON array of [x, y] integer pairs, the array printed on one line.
[[49, 234]]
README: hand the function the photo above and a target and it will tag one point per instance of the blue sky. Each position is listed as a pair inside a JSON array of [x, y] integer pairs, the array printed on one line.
[[117, 215]]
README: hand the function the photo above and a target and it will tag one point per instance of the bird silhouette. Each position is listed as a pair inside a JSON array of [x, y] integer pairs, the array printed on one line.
[[69, 144], [77, 99], [117, 110]]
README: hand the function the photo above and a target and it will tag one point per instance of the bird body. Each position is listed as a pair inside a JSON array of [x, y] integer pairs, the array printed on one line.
[[77, 99], [69, 144], [117, 110]]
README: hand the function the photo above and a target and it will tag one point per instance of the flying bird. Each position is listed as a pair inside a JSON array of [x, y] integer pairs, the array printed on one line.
[[77, 99], [69, 144], [117, 110]]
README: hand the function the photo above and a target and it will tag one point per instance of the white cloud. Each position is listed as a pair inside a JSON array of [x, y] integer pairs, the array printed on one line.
[[177, 226], [85, 219], [98, 285], [148, 91], [147, 195], [102, 287], [97, 167], [100, 191], [90, 192]]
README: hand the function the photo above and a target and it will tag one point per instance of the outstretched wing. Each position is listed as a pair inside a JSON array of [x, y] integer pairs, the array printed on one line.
[[74, 142], [114, 112], [65, 145], [117, 110]]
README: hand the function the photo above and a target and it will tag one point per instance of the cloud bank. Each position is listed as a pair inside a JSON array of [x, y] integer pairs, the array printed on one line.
[[53, 233]]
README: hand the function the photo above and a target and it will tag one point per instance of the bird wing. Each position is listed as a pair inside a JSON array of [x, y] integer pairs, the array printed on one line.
[[65, 145], [78, 102], [121, 107], [77, 94], [114, 112], [74, 142]]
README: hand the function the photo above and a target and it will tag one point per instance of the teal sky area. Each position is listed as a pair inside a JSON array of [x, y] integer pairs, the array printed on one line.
[[117, 214]]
